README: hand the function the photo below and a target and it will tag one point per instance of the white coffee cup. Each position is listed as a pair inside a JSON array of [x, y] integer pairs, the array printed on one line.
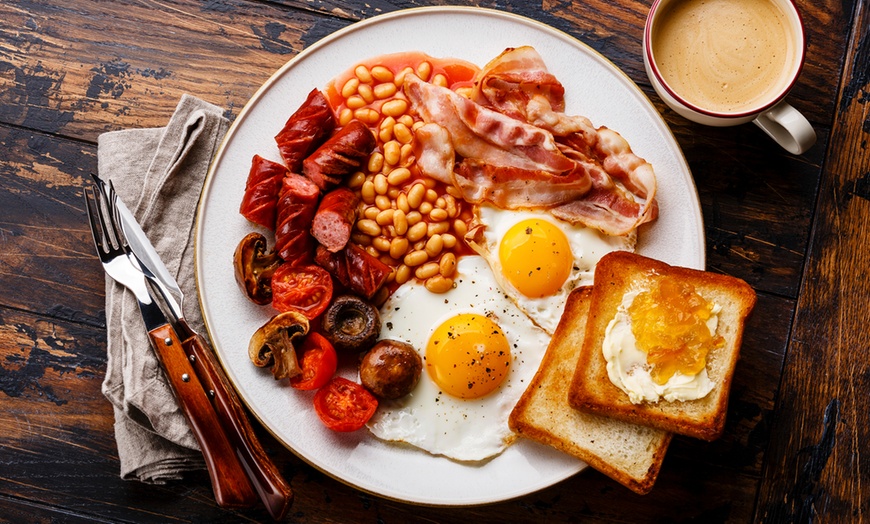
[[729, 62]]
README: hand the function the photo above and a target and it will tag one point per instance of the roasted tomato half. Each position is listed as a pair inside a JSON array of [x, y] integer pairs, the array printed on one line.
[[305, 289], [318, 361], [343, 405]]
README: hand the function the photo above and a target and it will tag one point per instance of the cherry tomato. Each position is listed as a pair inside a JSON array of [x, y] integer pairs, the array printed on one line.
[[343, 405], [305, 289], [318, 361]]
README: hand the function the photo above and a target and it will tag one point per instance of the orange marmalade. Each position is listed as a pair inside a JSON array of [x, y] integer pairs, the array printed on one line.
[[669, 323]]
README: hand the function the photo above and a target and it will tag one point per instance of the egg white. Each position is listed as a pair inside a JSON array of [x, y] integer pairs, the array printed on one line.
[[464, 430], [587, 247]]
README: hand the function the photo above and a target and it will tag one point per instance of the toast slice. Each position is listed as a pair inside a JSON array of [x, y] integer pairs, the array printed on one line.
[[591, 389], [630, 454]]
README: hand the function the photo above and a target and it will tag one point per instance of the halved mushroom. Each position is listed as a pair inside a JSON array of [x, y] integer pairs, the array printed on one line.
[[254, 268], [351, 323], [273, 344]]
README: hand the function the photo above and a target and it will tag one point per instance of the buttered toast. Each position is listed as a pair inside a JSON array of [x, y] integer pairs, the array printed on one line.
[[591, 389], [626, 452]]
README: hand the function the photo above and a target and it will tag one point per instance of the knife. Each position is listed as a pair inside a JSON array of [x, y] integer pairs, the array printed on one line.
[[271, 487]]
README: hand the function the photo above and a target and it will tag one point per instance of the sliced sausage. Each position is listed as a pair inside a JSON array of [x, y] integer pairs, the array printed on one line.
[[334, 219]]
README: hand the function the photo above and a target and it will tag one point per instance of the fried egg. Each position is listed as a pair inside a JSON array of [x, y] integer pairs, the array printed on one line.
[[479, 352], [538, 259]]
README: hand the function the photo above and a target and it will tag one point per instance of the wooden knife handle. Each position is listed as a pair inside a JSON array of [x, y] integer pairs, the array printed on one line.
[[274, 491], [231, 486]]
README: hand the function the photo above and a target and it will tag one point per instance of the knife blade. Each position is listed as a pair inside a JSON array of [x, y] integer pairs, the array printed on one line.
[[149, 258], [271, 487]]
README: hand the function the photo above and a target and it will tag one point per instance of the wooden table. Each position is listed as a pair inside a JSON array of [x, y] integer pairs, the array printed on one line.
[[795, 227]]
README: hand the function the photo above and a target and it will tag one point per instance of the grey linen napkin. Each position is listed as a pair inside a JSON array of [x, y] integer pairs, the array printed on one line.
[[158, 173]]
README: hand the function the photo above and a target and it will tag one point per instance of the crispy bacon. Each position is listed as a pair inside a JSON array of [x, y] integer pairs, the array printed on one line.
[[305, 130], [339, 156], [516, 76], [623, 184], [518, 84], [296, 207], [512, 188], [515, 147], [484, 134], [260, 200], [434, 152]]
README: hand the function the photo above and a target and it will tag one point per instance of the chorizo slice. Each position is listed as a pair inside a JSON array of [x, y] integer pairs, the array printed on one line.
[[260, 201], [339, 156], [297, 204], [305, 130], [335, 218], [357, 270]]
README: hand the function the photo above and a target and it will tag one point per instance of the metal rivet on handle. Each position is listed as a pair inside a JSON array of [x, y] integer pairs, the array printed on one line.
[[193, 358], [167, 341], [185, 377]]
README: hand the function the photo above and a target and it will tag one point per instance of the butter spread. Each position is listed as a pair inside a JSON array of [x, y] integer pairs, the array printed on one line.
[[628, 369]]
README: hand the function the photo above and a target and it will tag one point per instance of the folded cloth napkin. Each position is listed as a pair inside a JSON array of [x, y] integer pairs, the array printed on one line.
[[158, 174]]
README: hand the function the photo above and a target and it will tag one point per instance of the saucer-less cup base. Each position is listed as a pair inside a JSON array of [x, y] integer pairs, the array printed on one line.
[[782, 122]]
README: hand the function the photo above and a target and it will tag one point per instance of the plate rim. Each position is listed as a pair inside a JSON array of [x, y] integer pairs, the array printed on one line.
[[360, 26]]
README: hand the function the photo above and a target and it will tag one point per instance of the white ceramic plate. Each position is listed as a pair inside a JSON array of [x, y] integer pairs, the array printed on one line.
[[594, 88]]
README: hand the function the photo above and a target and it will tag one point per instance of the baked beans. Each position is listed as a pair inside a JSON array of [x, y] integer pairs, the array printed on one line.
[[410, 223]]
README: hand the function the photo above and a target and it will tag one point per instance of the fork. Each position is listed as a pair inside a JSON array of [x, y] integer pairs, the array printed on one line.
[[232, 489]]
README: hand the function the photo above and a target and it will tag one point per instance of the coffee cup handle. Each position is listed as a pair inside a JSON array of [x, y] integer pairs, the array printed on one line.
[[788, 127]]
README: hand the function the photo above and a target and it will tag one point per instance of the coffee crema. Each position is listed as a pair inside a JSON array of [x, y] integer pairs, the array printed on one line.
[[725, 56]]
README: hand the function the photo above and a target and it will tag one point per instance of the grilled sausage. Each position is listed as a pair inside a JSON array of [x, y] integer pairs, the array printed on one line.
[[297, 204], [339, 156], [305, 130], [334, 219]]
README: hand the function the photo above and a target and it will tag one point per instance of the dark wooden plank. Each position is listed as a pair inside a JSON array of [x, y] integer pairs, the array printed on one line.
[[45, 240], [815, 462], [62, 75], [12, 510]]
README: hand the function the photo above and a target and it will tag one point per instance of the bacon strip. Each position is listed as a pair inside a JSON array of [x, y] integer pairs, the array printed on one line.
[[516, 76], [434, 152], [484, 134], [508, 163], [297, 204], [305, 130], [513, 188], [260, 201]]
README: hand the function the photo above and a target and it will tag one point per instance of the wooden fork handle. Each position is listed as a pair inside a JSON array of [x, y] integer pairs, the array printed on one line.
[[229, 480], [273, 490]]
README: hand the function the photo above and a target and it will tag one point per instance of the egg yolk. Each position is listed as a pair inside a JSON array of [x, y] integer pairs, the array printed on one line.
[[468, 356], [536, 257], [669, 323]]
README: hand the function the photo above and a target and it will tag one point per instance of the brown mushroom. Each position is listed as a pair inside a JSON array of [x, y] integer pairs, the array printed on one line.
[[273, 344], [351, 323], [390, 369], [254, 268]]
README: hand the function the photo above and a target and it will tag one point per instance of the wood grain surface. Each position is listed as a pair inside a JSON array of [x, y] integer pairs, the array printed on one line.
[[795, 228]]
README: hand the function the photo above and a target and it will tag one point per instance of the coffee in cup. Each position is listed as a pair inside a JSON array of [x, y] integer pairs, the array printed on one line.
[[728, 62]]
